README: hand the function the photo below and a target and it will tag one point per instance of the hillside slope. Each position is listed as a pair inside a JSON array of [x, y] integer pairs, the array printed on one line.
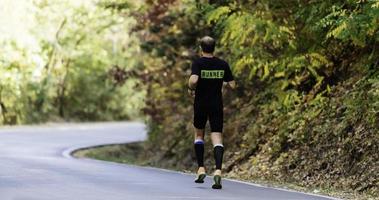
[[329, 142], [307, 105]]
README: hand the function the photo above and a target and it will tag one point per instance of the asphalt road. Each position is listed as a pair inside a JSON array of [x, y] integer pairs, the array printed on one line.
[[35, 164]]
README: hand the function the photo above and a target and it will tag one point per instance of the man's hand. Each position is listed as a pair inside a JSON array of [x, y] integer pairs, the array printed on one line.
[[192, 84], [227, 86], [191, 92], [232, 84]]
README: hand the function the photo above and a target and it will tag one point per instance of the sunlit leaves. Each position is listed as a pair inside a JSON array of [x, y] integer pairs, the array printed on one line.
[[64, 71], [356, 25], [215, 14], [274, 41]]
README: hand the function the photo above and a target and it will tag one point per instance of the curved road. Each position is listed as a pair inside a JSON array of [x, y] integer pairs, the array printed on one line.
[[35, 165]]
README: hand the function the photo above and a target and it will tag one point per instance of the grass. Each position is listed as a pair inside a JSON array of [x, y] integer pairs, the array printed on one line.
[[121, 153]]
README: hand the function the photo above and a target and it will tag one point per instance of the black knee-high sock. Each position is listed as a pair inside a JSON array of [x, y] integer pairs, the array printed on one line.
[[218, 152], [199, 150]]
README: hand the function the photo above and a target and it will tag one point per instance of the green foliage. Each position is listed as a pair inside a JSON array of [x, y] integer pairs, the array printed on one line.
[[359, 24], [306, 110], [294, 43], [58, 65]]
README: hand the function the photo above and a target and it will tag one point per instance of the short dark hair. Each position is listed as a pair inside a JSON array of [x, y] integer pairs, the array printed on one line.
[[207, 44]]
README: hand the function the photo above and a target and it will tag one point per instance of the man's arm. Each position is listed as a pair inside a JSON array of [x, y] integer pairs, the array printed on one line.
[[228, 78], [231, 84], [192, 82], [194, 78]]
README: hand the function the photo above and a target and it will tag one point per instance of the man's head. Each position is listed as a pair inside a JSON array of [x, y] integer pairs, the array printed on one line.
[[207, 44]]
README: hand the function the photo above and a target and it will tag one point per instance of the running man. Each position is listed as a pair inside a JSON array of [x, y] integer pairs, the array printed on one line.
[[207, 78]]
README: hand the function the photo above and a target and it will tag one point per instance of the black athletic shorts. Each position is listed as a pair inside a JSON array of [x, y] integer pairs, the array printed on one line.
[[214, 113]]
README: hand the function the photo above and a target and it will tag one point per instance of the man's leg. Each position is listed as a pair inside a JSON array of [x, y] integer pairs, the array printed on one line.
[[218, 150], [199, 121], [199, 149], [216, 122]]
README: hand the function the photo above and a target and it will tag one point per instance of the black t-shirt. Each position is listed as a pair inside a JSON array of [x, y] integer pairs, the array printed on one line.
[[212, 73]]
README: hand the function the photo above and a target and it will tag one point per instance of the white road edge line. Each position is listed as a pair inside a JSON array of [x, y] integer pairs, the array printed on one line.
[[68, 153]]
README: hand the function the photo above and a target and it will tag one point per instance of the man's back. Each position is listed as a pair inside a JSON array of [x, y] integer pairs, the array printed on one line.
[[207, 77], [212, 72]]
